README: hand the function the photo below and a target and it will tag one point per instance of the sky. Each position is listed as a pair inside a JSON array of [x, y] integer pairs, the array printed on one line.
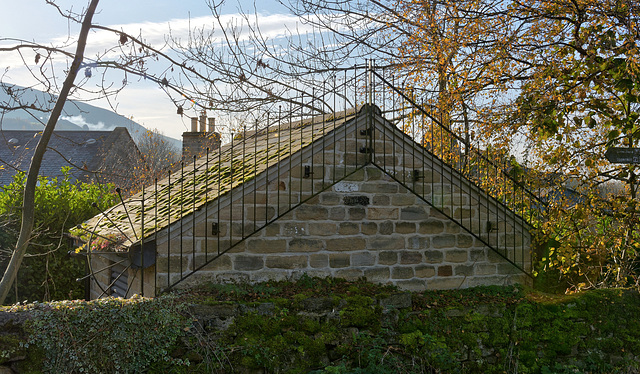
[[143, 101]]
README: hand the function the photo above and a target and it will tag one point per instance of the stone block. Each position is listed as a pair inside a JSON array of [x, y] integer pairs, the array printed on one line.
[[413, 285], [178, 246], [266, 245], [164, 264], [380, 187], [374, 213], [386, 160], [464, 213], [500, 280], [337, 213], [349, 274], [362, 259], [385, 228], [356, 214], [477, 255], [318, 261], [494, 257], [425, 271], [413, 213], [443, 241], [381, 200], [405, 227], [349, 228], [508, 268], [259, 213], [292, 229], [485, 269], [311, 212], [222, 263], [356, 200], [287, 262], [385, 243], [463, 270], [397, 301], [346, 244], [445, 271], [323, 228], [339, 260], [305, 245], [387, 258], [452, 228], [456, 255], [258, 197], [433, 257], [354, 157], [373, 173], [465, 241], [441, 214], [272, 229], [369, 228], [329, 198], [357, 176], [410, 257], [448, 283], [402, 272], [418, 242], [403, 200], [247, 263], [379, 274]]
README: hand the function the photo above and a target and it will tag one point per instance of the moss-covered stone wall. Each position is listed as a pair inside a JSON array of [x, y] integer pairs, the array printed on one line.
[[329, 326]]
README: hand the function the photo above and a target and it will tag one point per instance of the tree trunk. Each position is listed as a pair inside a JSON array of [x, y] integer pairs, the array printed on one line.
[[28, 202]]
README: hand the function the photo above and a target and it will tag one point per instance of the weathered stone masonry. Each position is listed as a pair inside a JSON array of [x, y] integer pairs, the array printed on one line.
[[366, 225]]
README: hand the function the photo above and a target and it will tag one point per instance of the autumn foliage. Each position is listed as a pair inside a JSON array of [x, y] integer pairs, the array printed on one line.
[[554, 83]]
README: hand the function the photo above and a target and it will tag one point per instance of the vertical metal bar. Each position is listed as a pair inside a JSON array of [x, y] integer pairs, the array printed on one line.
[[301, 145], [231, 171], [169, 230], [344, 122], [313, 98], [255, 175], [206, 208], [193, 216], [219, 195], [181, 216], [141, 246], [279, 152], [422, 150], [244, 148], [324, 130], [335, 145], [155, 229], [371, 117], [290, 152], [266, 188]]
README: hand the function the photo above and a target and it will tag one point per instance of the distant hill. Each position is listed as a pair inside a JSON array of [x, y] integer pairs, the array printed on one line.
[[76, 116]]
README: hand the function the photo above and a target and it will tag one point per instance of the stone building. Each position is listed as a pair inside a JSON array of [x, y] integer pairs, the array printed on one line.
[[98, 156], [347, 195]]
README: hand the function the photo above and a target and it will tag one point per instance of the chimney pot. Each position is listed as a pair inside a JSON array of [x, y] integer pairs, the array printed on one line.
[[194, 124], [212, 125], [203, 123]]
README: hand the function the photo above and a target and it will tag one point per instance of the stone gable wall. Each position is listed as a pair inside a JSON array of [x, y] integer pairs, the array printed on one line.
[[334, 210], [322, 212], [367, 225]]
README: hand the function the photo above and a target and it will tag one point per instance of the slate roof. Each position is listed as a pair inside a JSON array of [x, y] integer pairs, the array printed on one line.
[[215, 175], [82, 149]]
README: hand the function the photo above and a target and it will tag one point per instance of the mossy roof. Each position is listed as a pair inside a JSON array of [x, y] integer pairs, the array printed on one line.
[[211, 176]]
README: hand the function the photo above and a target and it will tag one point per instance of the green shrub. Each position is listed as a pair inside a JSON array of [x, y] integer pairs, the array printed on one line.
[[109, 335]]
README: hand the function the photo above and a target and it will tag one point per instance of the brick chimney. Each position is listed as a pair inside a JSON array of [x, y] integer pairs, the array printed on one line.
[[196, 142]]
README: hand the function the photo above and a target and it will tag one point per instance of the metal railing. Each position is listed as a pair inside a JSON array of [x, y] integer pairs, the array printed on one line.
[[209, 207]]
